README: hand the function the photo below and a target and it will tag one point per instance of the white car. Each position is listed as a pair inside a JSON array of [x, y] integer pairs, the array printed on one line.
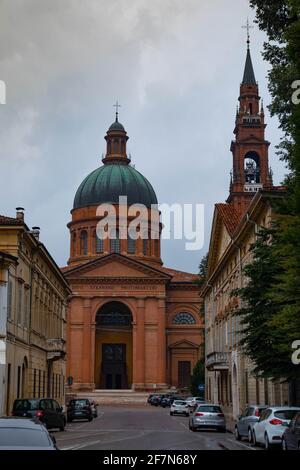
[[179, 407], [271, 425], [192, 401]]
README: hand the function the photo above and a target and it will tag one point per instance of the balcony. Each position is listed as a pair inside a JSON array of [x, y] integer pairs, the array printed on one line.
[[56, 349], [217, 361]]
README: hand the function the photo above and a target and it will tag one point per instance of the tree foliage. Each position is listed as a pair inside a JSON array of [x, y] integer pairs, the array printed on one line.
[[198, 377]]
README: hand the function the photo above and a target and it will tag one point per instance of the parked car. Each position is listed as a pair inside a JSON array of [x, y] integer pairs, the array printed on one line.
[[179, 407], [246, 421], [272, 424], [192, 401], [24, 434], [79, 408], [175, 397], [156, 399], [165, 401], [94, 406], [207, 416], [291, 436], [47, 410], [149, 397]]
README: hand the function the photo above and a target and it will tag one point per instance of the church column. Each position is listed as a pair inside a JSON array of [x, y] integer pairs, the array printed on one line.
[[139, 346], [161, 344], [87, 357]]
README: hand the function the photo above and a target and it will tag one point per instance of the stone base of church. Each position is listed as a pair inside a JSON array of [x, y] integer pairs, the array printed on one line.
[[136, 387]]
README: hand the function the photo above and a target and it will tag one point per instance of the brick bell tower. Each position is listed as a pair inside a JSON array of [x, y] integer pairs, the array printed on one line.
[[250, 171]]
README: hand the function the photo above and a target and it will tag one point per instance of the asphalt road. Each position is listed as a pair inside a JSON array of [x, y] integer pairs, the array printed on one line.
[[142, 427]]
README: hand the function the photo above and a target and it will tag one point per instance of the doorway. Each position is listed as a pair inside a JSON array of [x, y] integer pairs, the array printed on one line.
[[113, 347], [184, 374]]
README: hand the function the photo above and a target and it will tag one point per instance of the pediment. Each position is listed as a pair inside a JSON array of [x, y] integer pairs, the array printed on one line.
[[184, 344], [115, 266]]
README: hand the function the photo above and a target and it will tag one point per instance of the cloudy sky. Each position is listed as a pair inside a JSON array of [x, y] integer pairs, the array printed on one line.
[[175, 66]]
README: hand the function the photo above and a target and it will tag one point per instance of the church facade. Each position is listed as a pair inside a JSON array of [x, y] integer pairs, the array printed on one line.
[[132, 323]]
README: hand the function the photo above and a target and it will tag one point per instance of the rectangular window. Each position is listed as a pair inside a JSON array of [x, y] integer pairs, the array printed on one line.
[[34, 382], [99, 245], [20, 303], [246, 387], [266, 391], [8, 411], [18, 382], [9, 298], [39, 386], [257, 391], [130, 245]]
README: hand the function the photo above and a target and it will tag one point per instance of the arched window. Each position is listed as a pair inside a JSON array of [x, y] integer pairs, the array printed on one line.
[[252, 168], [74, 241], [99, 244], [145, 246], [115, 242], [83, 242], [116, 146], [130, 245], [184, 318]]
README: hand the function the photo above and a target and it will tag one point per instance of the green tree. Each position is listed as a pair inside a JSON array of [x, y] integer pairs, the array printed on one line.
[[198, 377], [280, 19]]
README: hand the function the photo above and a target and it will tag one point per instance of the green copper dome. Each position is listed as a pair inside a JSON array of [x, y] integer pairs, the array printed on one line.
[[107, 183]]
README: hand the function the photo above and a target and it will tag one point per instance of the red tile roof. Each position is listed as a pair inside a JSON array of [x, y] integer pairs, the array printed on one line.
[[229, 216], [10, 221], [180, 276]]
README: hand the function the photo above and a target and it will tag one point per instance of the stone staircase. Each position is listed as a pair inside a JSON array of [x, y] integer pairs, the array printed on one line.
[[112, 397]]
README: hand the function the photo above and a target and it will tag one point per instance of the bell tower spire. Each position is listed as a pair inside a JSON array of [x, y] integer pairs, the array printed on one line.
[[249, 149]]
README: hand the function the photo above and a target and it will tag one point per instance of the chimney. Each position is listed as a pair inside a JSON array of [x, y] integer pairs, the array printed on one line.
[[20, 213], [36, 232]]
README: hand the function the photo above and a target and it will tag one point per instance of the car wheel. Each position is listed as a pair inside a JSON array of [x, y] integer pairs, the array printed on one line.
[[192, 428], [90, 419], [284, 445], [237, 434], [267, 443], [222, 430], [255, 443], [171, 413], [250, 436]]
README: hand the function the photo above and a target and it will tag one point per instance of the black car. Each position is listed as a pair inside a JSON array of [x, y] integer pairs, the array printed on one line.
[[47, 410], [291, 436], [24, 434], [79, 408], [150, 397]]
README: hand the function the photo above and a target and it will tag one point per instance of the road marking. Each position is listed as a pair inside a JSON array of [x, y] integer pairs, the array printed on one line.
[[80, 446]]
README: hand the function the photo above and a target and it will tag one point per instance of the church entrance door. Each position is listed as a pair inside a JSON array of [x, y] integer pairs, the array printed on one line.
[[114, 373], [113, 347]]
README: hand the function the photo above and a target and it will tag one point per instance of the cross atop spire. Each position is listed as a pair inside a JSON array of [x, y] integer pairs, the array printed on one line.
[[248, 27], [117, 105]]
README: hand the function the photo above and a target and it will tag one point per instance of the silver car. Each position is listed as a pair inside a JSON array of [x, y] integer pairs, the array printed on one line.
[[207, 416], [179, 407], [247, 420]]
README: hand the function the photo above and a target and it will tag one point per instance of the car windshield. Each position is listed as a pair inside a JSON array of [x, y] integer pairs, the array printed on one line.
[[285, 414], [181, 403], [25, 405], [79, 403], [209, 409], [17, 437]]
